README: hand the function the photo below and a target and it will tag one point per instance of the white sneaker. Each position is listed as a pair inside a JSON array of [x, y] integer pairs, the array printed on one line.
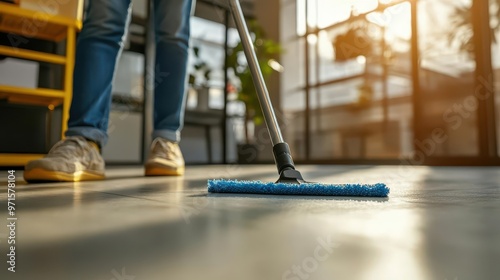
[[70, 160], [165, 159]]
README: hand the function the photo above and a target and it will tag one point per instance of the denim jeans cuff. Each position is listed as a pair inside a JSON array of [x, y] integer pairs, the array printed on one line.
[[170, 135], [91, 133]]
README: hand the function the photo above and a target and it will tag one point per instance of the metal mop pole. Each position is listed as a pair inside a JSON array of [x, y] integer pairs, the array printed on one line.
[[282, 155]]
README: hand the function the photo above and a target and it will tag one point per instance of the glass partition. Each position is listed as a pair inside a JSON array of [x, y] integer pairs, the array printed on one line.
[[362, 85]]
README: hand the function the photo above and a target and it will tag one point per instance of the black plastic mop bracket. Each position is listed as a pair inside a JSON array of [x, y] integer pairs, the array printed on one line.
[[285, 165]]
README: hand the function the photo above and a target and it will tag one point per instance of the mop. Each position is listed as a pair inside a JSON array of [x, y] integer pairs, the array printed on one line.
[[290, 180]]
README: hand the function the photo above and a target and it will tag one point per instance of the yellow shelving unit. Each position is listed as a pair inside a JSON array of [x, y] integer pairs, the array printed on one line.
[[22, 23]]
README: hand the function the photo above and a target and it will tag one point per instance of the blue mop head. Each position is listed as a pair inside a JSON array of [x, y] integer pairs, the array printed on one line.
[[258, 187]]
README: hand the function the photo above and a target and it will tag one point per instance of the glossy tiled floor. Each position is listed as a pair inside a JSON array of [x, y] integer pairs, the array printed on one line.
[[438, 223]]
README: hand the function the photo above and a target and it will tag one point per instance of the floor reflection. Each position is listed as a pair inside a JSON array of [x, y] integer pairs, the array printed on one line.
[[438, 223]]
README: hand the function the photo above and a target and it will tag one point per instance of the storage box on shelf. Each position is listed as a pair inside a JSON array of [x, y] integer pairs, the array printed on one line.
[[18, 72], [42, 22]]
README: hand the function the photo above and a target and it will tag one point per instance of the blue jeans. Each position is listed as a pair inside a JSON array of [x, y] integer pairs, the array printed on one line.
[[98, 48]]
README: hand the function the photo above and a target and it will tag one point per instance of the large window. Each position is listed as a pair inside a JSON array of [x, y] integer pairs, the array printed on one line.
[[495, 54], [447, 71], [359, 84]]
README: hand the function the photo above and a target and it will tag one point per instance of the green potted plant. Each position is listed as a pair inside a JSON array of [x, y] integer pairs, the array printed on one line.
[[199, 79], [266, 49]]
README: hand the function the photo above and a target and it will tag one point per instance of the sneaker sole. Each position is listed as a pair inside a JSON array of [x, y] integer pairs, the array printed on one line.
[[162, 171], [42, 175]]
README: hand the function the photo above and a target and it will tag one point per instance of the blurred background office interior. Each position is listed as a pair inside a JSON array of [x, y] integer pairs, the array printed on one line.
[[361, 81]]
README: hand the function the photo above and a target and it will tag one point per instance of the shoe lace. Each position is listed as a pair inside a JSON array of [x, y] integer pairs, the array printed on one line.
[[164, 148], [70, 147]]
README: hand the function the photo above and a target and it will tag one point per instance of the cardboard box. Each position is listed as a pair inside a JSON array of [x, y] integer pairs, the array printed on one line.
[[68, 8]]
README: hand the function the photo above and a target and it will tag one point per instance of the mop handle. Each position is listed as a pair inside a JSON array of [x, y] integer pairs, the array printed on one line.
[[258, 79]]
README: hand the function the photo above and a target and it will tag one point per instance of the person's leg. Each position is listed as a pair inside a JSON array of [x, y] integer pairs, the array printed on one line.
[[97, 51], [77, 157], [172, 30]]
